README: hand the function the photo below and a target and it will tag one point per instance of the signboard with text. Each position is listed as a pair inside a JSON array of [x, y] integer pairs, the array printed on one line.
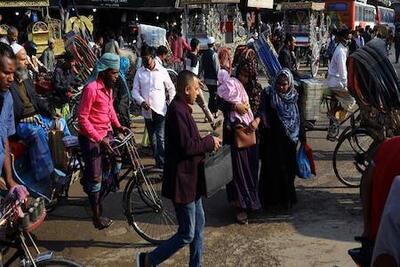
[[24, 3], [261, 3]]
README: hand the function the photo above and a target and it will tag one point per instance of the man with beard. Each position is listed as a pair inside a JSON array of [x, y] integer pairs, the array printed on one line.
[[7, 69], [96, 118], [33, 118]]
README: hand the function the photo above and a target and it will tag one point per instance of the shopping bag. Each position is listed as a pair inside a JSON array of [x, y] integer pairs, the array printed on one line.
[[304, 169], [218, 170], [56, 145], [309, 154]]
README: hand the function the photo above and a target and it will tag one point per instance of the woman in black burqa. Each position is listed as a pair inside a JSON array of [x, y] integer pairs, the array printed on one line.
[[280, 130]]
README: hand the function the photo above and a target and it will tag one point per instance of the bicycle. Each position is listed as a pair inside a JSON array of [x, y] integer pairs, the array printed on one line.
[[18, 235], [352, 151], [151, 215]]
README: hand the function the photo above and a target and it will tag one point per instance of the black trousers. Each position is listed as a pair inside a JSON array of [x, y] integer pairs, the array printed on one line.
[[212, 101]]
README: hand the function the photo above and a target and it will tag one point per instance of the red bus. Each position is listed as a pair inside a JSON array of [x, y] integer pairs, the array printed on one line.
[[350, 13]]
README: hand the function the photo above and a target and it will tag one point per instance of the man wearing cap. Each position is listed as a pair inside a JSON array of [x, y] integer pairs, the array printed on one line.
[[33, 118], [97, 118], [48, 58], [210, 68]]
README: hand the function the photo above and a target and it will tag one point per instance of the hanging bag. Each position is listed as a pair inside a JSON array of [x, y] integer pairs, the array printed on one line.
[[244, 138], [58, 153], [304, 168]]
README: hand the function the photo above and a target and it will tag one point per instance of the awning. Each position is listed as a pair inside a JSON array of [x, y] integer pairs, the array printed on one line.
[[123, 4], [24, 3], [199, 2]]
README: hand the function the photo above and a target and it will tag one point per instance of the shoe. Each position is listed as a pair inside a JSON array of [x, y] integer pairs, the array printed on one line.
[[241, 217], [141, 259], [333, 132], [216, 124]]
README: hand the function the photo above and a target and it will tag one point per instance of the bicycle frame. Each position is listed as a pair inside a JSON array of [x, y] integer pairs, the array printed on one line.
[[138, 168]]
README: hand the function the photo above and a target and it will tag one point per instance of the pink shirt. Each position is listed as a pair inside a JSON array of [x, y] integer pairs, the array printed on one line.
[[178, 46], [96, 111]]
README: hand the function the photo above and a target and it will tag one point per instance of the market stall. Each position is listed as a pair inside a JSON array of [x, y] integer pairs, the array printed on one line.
[[220, 19]]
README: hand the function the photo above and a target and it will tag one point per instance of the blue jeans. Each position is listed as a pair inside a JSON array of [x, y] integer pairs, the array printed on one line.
[[191, 222], [155, 128]]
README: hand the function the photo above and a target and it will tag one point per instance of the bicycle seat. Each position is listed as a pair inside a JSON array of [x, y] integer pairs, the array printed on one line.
[[71, 141]]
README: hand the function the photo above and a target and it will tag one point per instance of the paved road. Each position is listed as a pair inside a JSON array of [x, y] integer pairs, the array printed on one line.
[[317, 232]]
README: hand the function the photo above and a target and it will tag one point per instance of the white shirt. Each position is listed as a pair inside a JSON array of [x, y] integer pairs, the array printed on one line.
[[158, 60], [337, 69], [359, 41], [151, 87]]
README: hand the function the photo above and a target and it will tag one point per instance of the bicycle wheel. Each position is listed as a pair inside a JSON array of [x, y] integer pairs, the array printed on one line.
[[350, 157], [151, 215], [57, 261]]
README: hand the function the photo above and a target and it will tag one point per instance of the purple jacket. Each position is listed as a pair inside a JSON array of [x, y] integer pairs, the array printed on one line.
[[184, 155]]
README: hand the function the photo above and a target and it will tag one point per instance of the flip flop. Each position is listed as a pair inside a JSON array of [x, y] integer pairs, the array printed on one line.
[[104, 223]]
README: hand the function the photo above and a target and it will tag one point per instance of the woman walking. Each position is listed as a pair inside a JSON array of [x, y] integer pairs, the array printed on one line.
[[281, 129], [243, 190]]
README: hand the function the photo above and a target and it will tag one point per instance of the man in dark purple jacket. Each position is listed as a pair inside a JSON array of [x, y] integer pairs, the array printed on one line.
[[183, 174]]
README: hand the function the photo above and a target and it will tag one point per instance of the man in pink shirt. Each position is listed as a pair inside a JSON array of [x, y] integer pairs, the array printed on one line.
[[97, 118], [178, 45]]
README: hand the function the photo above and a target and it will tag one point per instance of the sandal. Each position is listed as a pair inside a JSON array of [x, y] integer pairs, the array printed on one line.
[[103, 223], [241, 217]]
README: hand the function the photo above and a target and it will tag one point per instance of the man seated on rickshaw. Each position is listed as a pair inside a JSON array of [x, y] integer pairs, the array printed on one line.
[[65, 80], [7, 129], [33, 118], [337, 83], [96, 118]]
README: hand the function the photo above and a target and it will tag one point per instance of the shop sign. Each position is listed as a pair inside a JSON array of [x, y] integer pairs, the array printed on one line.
[[261, 3], [24, 3]]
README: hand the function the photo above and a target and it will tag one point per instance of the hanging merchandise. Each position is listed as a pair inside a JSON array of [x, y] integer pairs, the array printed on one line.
[[268, 57]]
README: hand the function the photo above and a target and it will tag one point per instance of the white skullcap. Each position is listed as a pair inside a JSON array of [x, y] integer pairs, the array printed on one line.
[[16, 48], [210, 40]]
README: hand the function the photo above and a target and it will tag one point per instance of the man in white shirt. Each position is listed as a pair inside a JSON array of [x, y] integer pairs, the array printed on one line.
[[150, 88], [359, 39], [337, 82], [11, 37]]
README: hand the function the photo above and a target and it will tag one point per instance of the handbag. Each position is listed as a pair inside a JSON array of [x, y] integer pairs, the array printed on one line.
[[244, 138], [218, 170]]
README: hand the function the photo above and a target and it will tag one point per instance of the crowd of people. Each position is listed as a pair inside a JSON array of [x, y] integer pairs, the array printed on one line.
[[273, 117]]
